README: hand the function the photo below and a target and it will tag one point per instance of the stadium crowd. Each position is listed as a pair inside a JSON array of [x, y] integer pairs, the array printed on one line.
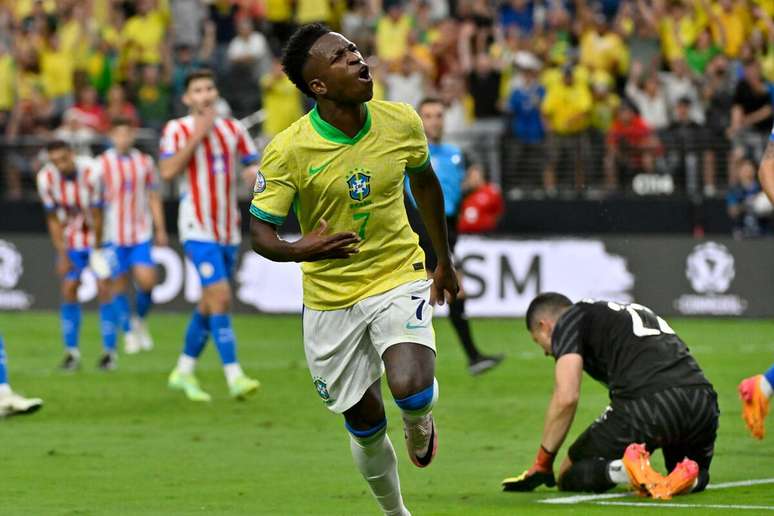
[[587, 96]]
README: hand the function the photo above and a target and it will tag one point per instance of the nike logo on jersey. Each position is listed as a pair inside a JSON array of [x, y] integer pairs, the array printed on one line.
[[315, 170]]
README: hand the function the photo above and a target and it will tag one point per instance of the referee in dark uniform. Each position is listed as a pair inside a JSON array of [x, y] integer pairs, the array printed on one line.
[[658, 397], [449, 166]]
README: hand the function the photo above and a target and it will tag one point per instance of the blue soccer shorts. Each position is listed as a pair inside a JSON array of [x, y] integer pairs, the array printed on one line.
[[79, 260], [214, 262], [129, 256]]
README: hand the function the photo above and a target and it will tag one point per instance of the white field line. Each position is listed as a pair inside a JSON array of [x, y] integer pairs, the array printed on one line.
[[592, 498], [567, 500], [689, 505]]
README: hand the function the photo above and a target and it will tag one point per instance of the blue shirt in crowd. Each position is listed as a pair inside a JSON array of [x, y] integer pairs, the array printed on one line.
[[523, 18], [524, 105], [450, 168]]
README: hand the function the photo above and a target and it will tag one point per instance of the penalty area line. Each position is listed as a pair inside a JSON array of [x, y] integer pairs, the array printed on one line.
[[565, 500], [673, 505]]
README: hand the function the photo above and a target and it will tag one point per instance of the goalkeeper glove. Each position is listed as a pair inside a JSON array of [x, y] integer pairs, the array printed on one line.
[[541, 473]]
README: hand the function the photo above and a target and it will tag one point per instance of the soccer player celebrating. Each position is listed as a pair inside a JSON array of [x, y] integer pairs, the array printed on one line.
[[756, 390], [448, 164], [12, 403], [132, 210], [367, 298], [658, 396], [201, 149], [71, 191]]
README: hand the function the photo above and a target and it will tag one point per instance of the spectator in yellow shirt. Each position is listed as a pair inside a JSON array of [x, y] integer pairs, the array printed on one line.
[[605, 104], [603, 49], [281, 101], [567, 110], [25, 8], [74, 34], [392, 33], [731, 19], [57, 67], [677, 24], [377, 73], [7, 96], [144, 33], [311, 11]]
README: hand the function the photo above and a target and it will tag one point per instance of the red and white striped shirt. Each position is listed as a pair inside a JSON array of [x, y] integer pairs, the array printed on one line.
[[128, 180], [72, 198], [208, 188]]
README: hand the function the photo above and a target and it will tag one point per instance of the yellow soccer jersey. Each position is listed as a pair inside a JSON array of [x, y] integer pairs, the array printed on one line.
[[355, 184]]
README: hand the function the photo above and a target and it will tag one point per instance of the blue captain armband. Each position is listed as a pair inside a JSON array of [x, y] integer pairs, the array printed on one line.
[[249, 159]]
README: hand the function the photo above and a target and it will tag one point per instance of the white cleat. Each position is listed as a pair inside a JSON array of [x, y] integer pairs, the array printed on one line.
[[132, 342], [140, 328], [12, 404]]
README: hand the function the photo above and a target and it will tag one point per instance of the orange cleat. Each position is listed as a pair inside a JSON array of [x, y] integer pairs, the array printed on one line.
[[755, 405], [642, 476], [680, 481]]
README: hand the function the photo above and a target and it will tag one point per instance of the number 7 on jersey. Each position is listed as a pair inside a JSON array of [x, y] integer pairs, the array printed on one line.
[[364, 216]]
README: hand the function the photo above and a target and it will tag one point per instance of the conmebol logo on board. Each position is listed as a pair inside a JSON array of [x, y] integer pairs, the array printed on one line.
[[11, 270], [710, 271]]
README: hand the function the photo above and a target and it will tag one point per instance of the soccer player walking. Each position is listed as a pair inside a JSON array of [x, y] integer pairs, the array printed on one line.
[[367, 299], [12, 403], [659, 398], [132, 210], [756, 391], [448, 163], [201, 151], [71, 191]]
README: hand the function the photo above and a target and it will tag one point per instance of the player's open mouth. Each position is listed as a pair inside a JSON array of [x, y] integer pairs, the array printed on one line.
[[365, 74]]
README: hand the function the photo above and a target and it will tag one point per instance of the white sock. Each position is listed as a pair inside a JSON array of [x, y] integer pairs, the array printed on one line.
[[616, 472], [74, 352], [186, 364], [766, 387], [232, 372], [377, 463], [5, 389]]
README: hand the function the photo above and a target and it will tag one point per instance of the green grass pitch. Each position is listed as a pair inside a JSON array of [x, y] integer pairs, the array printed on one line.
[[122, 443]]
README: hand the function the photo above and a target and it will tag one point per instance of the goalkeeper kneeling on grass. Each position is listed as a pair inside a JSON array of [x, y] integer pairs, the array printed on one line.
[[659, 398]]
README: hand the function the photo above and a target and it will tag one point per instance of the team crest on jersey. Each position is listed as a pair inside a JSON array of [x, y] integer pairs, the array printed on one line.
[[218, 164], [260, 183], [322, 390], [359, 184]]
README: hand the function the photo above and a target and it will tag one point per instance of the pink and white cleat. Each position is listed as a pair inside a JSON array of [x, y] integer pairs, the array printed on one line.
[[421, 440]]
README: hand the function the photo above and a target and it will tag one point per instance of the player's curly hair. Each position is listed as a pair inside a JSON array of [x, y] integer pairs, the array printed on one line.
[[551, 301], [297, 51]]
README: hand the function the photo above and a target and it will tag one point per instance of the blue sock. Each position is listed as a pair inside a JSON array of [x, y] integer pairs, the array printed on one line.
[[142, 303], [366, 436], [196, 334], [108, 325], [122, 311], [223, 335], [3, 372], [770, 376], [71, 324], [420, 403]]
